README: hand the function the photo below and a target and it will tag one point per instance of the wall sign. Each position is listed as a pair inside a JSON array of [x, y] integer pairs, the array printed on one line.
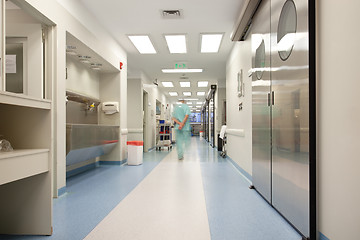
[[240, 82]]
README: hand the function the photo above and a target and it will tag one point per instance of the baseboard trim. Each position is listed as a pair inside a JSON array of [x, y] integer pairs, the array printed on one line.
[[81, 169], [241, 170], [61, 191], [112, 163]]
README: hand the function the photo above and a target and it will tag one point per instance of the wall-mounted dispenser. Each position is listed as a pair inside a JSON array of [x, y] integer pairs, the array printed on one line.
[[110, 107]]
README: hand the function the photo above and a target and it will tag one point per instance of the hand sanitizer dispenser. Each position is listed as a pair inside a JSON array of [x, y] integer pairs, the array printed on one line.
[[110, 107]]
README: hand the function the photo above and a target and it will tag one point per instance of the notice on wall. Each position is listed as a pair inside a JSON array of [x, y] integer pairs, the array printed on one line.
[[10, 62]]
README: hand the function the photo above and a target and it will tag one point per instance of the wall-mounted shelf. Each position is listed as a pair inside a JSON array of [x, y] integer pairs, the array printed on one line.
[[20, 164], [24, 100]]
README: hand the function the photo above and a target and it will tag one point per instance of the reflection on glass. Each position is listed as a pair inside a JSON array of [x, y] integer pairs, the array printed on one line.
[[260, 60], [14, 66], [286, 30]]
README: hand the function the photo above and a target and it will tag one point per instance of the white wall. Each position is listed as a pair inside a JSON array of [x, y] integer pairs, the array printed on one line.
[[135, 110], [338, 118], [81, 79], [239, 125], [109, 90]]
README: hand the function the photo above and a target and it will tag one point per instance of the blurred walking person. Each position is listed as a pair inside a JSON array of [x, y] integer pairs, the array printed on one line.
[[182, 127]]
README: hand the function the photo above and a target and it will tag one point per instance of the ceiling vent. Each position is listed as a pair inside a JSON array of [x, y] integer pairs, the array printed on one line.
[[243, 24], [183, 77], [172, 14]]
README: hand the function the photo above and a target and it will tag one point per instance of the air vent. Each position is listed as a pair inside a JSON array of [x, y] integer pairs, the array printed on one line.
[[172, 14], [183, 77]]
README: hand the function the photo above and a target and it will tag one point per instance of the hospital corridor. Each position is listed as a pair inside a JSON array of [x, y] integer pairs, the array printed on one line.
[[202, 197], [179, 120]]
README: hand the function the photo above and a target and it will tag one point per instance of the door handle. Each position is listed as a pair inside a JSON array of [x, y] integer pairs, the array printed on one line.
[[272, 98], [268, 99]]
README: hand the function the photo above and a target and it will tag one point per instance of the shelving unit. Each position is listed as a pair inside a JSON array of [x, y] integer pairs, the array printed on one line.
[[164, 136], [25, 173]]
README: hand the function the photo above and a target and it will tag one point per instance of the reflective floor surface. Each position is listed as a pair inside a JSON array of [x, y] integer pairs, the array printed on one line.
[[201, 197]]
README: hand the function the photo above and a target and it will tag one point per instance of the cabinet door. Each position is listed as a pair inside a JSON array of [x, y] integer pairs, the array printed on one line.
[[290, 112]]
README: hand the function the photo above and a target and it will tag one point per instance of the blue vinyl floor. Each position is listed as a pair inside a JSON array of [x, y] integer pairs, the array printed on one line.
[[234, 211]]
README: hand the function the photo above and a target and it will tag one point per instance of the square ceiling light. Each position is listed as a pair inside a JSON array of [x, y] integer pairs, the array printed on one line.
[[189, 103], [187, 94], [176, 43], [199, 102], [143, 44], [185, 84], [167, 84], [173, 94], [210, 43], [200, 93], [203, 83]]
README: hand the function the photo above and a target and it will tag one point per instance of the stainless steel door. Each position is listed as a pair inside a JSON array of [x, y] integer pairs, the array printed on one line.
[[261, 110], [290, 112]]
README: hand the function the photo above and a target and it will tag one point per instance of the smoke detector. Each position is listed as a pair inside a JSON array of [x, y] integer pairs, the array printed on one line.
[[172, 14]]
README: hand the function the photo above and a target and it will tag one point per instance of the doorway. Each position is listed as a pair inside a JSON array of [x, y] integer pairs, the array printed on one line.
[[145, 120]]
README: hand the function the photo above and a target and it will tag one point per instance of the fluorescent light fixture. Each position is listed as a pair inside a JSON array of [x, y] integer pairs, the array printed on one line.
[[173, 94], [167, 84], [96, 66], [203, 84], [200, 93], [178, 102], [143, 44], [198, 110], [198, 106], [71, 50], [187, 94], [185, 84], [189, 103], [176, 43], [189, 99], [84, 59], [199, 103], [210, 43], [186, 70]]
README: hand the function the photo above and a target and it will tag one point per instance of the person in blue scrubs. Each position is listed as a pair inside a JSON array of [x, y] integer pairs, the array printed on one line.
[[182, 127]]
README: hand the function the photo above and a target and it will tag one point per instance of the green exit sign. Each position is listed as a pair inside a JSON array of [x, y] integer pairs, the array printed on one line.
[[180, 65]]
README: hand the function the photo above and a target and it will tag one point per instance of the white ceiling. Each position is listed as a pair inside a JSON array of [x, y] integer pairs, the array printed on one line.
[[122, 18]]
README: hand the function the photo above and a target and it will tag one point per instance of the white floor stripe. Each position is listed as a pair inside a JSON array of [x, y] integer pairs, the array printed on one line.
[[168, 204]]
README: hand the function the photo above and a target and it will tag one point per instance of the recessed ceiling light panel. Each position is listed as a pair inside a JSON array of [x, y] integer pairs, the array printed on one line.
[[185, 84], [203, 83], [173, 94], [200, 93], [176, 43], [167, 84], [210, 43], [187, 94], [143, 44]]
